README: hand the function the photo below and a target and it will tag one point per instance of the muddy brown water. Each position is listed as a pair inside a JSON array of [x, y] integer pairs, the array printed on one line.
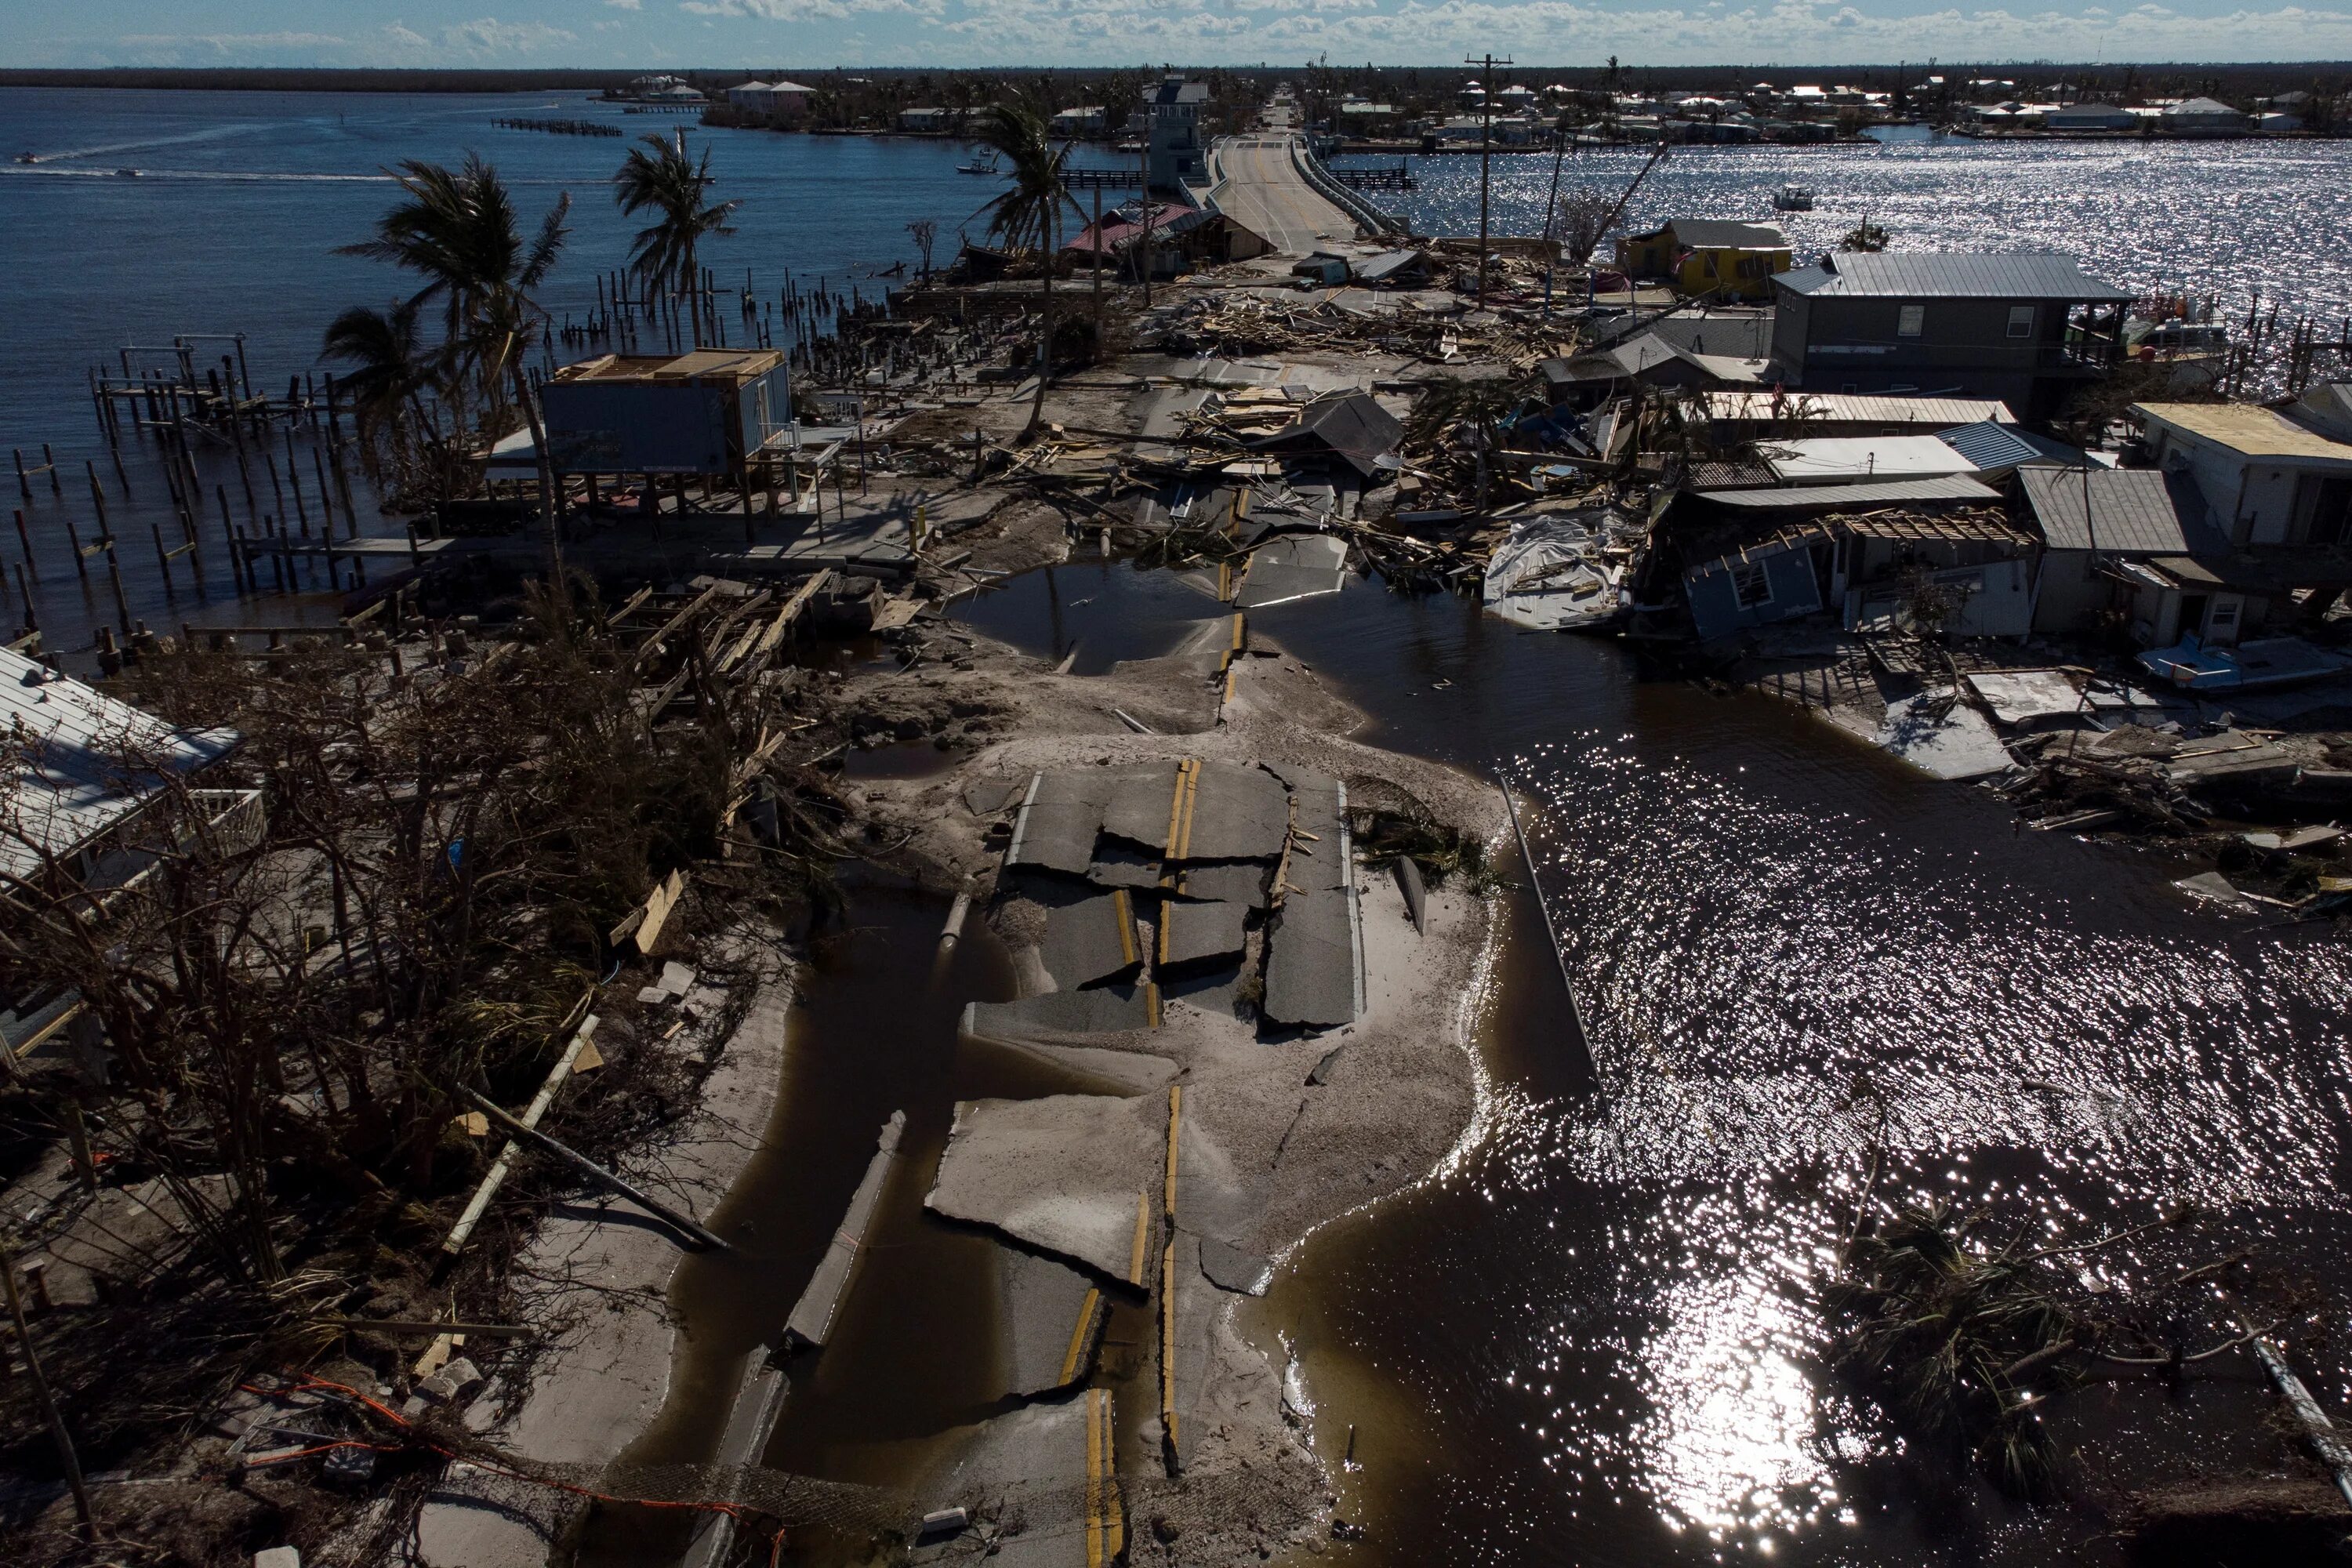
[[1589, 1336]]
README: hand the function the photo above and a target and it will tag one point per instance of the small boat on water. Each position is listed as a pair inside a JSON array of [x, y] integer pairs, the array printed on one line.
[[2181, 336], [27, 158], [980, 166], [1792, 199], [127, 174]]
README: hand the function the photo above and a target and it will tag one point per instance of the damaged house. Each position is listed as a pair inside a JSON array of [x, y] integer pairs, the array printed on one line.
[[1871, 555], [2132, 542]]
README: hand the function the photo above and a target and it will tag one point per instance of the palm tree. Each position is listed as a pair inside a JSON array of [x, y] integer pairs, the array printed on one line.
[[391, 375], [458, 229], [1029, 212], [660, 177]]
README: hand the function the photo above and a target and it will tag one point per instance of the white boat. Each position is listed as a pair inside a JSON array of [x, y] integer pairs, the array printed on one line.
[[980, 164], [1792, 199], [2195, 350]]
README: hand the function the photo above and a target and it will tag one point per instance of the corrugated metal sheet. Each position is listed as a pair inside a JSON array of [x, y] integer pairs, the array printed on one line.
[[1856, 408], [1842, 459], [1950, 275], [2123, 512], [1844, 498], [79, 762], [1994, 447]]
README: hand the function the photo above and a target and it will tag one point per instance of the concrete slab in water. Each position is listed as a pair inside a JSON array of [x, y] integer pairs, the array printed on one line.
[[1090, 1010], [1298, 566], [1958, 745], [1063, 1173], [813, 1316], [1190, 933]]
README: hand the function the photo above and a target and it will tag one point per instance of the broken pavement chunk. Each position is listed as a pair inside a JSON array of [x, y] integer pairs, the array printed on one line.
[[1231, 1268], [1190, 933], [1059, 820], [1063, 1173], [1235, 814]]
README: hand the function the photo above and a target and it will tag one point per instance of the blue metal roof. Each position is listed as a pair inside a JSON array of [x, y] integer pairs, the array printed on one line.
[[1950, 275]]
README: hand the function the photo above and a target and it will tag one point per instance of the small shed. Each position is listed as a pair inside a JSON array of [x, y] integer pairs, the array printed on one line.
[[1705, 256], [708, 412]]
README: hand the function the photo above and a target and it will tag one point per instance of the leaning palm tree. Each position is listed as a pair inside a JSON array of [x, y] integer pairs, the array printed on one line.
[[659, 178], [1029, 212], [458, 229]]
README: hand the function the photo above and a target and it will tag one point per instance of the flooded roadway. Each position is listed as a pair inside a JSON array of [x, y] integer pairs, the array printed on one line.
[[1589, 1340]]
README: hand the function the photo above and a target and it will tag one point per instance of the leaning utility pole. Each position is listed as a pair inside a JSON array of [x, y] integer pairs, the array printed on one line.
[[43, 1396], [1485, 158]]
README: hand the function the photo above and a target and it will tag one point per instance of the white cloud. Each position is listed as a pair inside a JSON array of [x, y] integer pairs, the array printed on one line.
[[626, 5]]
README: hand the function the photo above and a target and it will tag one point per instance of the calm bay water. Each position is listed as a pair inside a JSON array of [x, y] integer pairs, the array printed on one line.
[[2226, 218], [231, 226], [1592, 1340]]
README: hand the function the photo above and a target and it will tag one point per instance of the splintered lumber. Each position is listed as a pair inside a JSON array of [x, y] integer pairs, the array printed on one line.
[[686, 612], [645, 923], [411, 1328], [496, 1177], [685, 1224]]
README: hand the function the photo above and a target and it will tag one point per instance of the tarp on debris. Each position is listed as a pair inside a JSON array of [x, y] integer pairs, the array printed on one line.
[[1549, 575]]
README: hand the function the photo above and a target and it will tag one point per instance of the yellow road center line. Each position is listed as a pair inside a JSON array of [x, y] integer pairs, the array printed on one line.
[[1175, 1111], [1237, 632], [1142, 1225], [1125, 915], [1192, 798], [1094, 1486], [1151, 1002], [1080, 1335], [1167, 1344], [1175, 811]]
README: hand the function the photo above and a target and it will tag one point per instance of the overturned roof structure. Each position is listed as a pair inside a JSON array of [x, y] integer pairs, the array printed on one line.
[[1349, 426]]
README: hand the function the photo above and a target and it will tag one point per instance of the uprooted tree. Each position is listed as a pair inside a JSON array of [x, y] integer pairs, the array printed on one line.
[[1965, 1332]]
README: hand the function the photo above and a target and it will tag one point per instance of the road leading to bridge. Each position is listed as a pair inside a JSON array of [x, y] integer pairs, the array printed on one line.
[[1264, 192]]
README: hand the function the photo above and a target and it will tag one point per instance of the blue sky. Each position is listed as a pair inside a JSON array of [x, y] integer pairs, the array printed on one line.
[[813, 33]]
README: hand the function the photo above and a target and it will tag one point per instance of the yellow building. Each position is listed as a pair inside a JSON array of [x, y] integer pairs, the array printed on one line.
[[1703, 256]]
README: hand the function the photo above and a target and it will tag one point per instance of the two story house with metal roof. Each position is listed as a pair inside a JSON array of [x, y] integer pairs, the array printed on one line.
[[2027, 329]]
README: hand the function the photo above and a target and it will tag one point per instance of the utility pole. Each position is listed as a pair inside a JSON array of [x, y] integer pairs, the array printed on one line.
[[1485, 158], [43, 1396]]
